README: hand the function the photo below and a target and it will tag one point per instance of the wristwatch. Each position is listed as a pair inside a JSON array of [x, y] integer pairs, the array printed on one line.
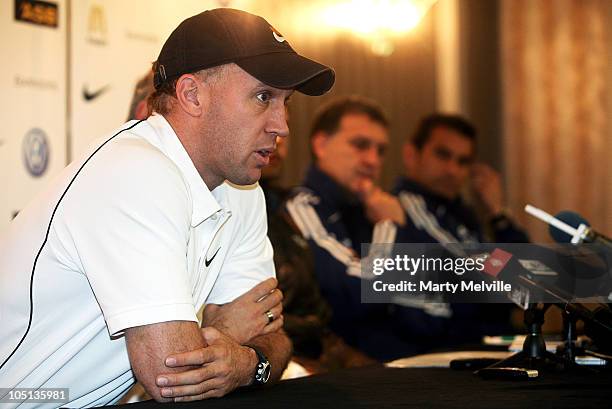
[[263, 368]]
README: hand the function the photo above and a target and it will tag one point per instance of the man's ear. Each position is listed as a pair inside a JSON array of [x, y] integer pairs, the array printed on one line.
[[409, 155], [318, 143], [190, 94]]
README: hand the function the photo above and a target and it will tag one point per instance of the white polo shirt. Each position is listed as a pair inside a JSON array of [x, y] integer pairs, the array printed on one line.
[[136, 238]]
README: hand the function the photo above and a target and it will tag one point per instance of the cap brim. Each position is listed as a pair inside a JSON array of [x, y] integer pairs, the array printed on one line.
[[290, 71]]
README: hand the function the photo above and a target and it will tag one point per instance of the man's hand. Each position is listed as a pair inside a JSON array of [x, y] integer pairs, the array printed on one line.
[[380, 205], [220, 367], [486, 183], [245, 318]]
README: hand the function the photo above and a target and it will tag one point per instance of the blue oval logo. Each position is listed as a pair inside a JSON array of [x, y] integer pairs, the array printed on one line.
[[35, 151]]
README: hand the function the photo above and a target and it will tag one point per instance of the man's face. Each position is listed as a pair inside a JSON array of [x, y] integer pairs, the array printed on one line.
[[353, 155], [443, 163], [241, 126]]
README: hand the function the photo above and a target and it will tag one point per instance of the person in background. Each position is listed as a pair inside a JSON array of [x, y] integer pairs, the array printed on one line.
[[306, 313], [440, 163], [139, 107], [338, 207]]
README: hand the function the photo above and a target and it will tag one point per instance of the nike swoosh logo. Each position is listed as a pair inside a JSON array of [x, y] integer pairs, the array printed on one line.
[[90, 96], [278, 38], [207, 262]]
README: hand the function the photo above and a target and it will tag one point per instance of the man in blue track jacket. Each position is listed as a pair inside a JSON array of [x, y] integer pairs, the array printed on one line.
[[338, 208], [439, 162]]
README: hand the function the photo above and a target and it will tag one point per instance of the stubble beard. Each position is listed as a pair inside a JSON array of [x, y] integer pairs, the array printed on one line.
[[222, 145]]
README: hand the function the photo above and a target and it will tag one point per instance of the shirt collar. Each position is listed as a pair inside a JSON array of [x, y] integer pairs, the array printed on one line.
[[204, 202], [328, 189], [404, 183]]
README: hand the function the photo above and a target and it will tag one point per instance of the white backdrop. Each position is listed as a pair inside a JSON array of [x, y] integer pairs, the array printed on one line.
[[111, 45], [32, 107]]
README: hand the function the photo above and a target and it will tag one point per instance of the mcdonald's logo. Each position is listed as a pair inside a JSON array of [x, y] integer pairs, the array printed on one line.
[[97, 30]]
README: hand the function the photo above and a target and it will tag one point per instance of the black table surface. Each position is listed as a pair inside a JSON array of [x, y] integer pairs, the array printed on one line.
[[380, 387]]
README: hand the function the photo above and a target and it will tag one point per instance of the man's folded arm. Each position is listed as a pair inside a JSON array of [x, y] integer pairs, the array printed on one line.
[[204, 382], [178, 361], [245, 318], [149, 345]]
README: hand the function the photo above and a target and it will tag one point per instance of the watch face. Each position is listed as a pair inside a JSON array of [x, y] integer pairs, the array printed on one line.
[[266, 372], [263, 370]]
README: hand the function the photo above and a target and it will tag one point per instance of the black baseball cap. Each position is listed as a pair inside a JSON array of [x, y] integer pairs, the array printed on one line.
[[224, 35]]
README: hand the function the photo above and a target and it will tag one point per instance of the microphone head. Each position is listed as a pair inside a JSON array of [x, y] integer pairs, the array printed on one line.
[[571, 218]]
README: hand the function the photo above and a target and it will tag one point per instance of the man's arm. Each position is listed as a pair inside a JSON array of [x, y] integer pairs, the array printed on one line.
[[213, 362], [200, 381], [245, 318], [149, 345], [487, 186], [221, 364]]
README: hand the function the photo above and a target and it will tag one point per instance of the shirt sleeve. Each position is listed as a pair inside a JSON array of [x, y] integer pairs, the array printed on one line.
[[127, 227], [250, 260]]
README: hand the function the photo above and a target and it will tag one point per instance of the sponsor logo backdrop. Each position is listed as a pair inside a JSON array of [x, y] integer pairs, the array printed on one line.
[[33, 103], [113, 44], [67, 78]]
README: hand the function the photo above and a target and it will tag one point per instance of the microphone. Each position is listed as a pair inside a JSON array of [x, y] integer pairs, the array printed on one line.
[[572, 219], [496, 263], [534, 289], [536, 273], [570, 225], [554, 272], [586, 233]]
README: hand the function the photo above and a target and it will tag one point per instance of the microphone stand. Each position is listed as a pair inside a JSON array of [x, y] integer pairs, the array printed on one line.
[[534, 354], [569, 350]]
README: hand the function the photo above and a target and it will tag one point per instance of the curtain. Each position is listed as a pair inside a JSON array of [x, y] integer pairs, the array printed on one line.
[[557, 118]]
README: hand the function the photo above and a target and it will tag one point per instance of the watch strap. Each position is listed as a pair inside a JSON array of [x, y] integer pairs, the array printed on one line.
[[262, 370]]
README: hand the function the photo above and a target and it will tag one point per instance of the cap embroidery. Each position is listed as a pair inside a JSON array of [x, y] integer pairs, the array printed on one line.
[[277, 36]]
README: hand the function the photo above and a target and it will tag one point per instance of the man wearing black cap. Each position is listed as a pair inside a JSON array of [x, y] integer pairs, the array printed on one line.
[[102, 275]]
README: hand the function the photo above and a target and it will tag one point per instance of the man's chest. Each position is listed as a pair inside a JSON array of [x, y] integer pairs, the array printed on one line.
[[209, 246], [349, 226]]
